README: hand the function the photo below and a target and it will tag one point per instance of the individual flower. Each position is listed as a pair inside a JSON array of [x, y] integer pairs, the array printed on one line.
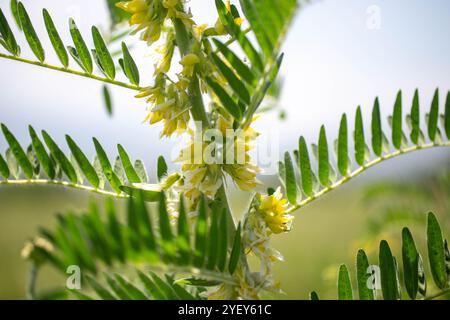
[[166, 51], [188, 62], [273, 209], [147, 15]]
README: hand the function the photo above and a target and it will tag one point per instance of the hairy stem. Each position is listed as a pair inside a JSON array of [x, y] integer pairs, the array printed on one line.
[[78, 73], [362, 169]]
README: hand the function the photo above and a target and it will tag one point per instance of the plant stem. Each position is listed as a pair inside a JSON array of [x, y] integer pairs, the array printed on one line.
[[31, 284], [62, 183], [198, 109], [362, 169], [184, 45], [78, 73]]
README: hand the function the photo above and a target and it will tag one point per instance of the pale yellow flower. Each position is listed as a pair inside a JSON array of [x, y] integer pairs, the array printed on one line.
[[166, 51], [188, 62]]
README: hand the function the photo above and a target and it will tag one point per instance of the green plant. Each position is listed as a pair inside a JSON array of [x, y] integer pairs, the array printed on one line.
[[383, 280], [219, 89]]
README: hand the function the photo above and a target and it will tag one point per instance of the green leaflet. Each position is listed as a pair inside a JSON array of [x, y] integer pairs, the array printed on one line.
[[7, 39], [415, 118], [377, 133], [15, 13], [422, 278], [388, 272], [237, 86], [41, 154], [101, 291], [314, 296], [235, 251], [106, 167], [228, 21], [118, 290], [227, 102], [164, 223], [129, 66], [360, 144], [85, 166], [342, 151], [436, 253], [362, 276], [77, 238], [155, 292], [55, 39], [60, 157], [183, 238], [324, 164], [74, 54], [113, 227], [134, 236], [141, 171], [104, 57], [201, 234], [107, 99], [305, 168], [4, 170], [397, 133], [433, 117], [344, 284], [161, 168], [30, 33], [213, 241], [410, 263], [81, 49], [131, 173], [18, 153], [163, 287], [259, 26], [130, 288], [241, 68], [223, 243], [291, 183]]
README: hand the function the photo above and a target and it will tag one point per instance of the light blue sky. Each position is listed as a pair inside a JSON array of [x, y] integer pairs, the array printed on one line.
[[333, 63]]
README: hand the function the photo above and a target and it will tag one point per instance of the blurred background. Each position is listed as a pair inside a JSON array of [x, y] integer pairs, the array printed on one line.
[[339, 54]]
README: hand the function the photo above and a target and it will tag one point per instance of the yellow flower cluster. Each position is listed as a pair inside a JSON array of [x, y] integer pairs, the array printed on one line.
[[149, 16], [205, 176], [168, 104], [241, 168], [273, 209], [198, 177]]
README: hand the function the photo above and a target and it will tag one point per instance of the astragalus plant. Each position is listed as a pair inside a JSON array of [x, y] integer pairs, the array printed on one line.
[[180, 240]]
